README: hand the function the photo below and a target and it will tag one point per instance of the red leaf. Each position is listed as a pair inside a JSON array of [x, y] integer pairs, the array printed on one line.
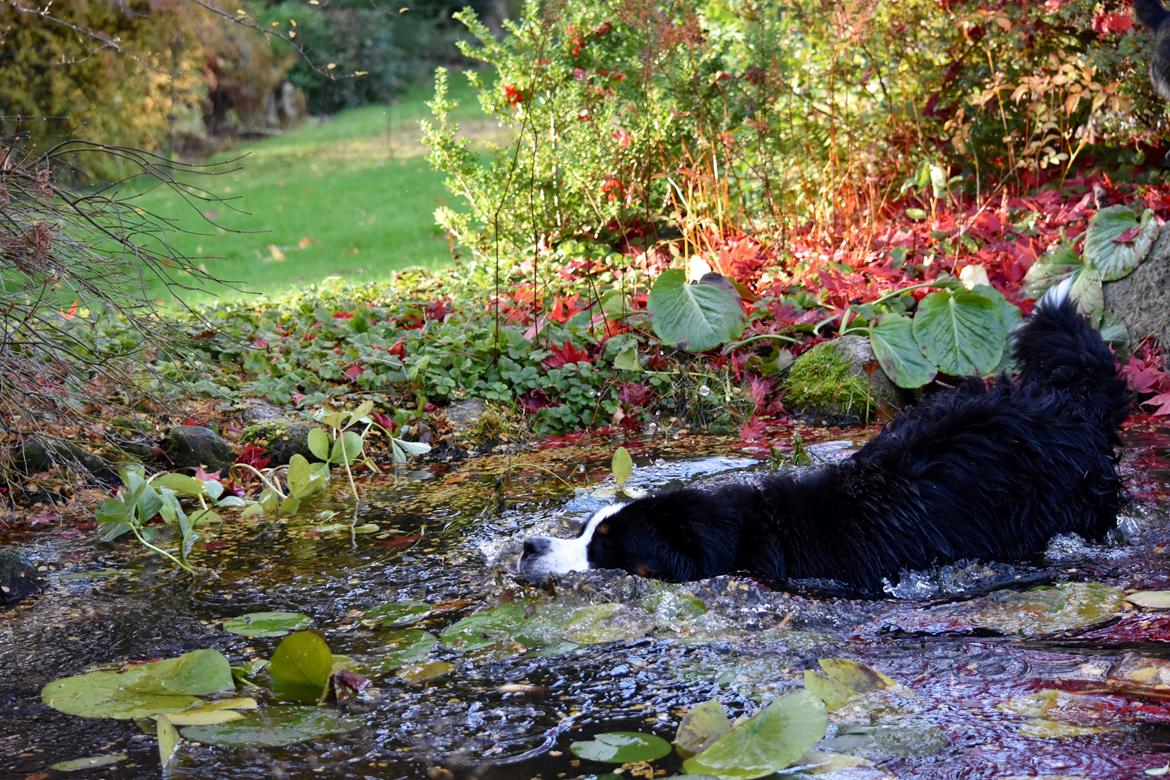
[[384, 421], [343, 315], [202, 475], [514, 96], [398, 348], [400, 542], [1127, 236], [354, 371], [563, 356], [1161, 404]]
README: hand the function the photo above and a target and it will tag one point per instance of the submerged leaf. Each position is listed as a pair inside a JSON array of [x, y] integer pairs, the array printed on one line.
[[700, 728], [772, 739], [621, 747], [89, 762], [273, 727]]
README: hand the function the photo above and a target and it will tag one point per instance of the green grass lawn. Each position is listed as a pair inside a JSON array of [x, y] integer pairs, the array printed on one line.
[[350, 196]]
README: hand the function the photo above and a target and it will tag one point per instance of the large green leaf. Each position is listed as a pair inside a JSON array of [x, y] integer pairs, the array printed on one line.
[[1117, 240], [700, 728], [962, 332], [621, 747], [694, 317], [170, 685], [273, 727], [1087, 291], [898, 353], [300, 667], [769, 741]]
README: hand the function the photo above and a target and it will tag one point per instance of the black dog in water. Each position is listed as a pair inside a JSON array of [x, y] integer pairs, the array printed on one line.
[[976, 472]]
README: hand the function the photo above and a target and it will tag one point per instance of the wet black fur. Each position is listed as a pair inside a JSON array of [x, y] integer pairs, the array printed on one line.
[[973, 473], [1154, 15]]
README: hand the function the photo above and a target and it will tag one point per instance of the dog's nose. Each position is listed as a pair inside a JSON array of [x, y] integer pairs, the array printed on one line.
[[533, 547]]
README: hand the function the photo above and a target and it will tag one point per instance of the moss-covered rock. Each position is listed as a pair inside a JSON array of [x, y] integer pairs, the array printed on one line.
[[281, 439], [840, 382], [18, 578]]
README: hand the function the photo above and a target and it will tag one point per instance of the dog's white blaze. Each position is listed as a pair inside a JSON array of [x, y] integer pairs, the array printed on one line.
[[565, 555], [1057, 294]]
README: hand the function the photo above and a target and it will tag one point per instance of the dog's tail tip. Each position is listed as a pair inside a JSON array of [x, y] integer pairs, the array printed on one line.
[[1058, 295]]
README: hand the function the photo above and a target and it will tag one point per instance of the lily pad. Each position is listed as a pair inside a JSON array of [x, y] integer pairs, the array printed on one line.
[[621, 747], [397, 614], [168, 740], [260, 624], [700, 728], [170, 685], [842, 680], [428, 671], [300, 667], [770, 740], [1048, 610], [273, 727], [492, 626], [405, 647], [89, 762], [609, 622]]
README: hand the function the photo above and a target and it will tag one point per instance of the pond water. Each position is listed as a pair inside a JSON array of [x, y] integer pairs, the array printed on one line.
[[974, 647]]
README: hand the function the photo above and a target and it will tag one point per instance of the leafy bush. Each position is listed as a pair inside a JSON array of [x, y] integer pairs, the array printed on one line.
[[708, 119]]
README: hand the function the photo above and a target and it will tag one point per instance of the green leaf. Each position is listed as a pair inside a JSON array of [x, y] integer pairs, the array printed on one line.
[[396, 614], [694, 317], [1045, 610], [257, 624], [168, 741], [180, 483], [1150, 599], [622, 747], [769, 741], [319, 443], [401, 449], [347, 448], [898, 354], [273, 727], [300, 667], [1054, 266], [363, 409], [170, 685], [1088, 293], [482, 629], [622, 465], [89, 762], [627, 359], [428, 671], [1116, 241], [843, 678], [405, 647], [700, 728], [962, 332]]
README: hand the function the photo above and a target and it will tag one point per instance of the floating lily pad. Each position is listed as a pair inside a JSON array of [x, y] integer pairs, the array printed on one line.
[[89, 762], [218, 711], [621, 747], [168, 740], [273, 727], [492, 626], [397, 614], [405, 647], [427, 671], [772, 739], [842, 680], [170, 685], [610, 622], [259, 624], [700, 728], [1047, 610], [301, 667]]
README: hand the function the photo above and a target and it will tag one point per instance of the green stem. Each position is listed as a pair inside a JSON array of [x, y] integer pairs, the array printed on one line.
[[182, 565], [268, 484]]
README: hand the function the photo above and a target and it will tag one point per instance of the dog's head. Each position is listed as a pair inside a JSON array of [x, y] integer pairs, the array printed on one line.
[[668, 537]]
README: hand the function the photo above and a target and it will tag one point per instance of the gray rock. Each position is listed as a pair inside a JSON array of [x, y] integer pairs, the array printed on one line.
[[189, 446], [464, 415], [18, 578], [281, 439], [840, 382], [257, 410], [41, 454], [1142, 299]]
